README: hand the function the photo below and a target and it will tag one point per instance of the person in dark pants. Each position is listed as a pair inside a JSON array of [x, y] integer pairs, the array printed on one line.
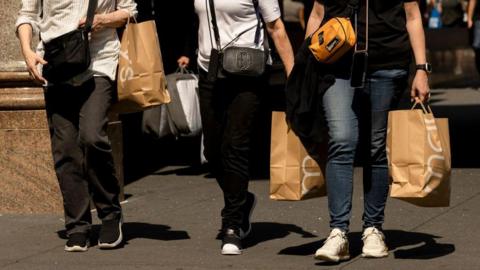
[[230, 105], [395, 33], [473, 23], [77, 113]]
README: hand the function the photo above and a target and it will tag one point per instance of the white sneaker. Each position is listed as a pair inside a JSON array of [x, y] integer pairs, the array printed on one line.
[[335, 248], [373, 243]]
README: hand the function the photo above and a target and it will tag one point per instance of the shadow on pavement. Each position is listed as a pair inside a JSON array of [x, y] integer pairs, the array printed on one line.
[[188, 171], [266, 231], [399, 243], [134, 230]]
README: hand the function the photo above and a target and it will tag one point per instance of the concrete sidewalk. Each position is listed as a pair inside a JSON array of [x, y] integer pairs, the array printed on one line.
[[172, 221]]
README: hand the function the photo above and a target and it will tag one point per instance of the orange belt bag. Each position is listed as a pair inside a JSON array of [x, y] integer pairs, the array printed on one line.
[[332, 40]]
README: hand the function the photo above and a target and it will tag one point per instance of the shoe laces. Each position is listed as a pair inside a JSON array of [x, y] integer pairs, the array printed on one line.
[[336, 235], [373, 234]]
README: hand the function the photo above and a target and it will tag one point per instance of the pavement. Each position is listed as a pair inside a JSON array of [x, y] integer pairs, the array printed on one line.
[[172, 218]]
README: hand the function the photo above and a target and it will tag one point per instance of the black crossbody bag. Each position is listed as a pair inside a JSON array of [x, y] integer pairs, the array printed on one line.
[[235, 60], [69, 55]]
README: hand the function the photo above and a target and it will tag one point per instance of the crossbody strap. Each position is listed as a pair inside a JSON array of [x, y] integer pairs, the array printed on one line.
[[92, 6], [257, 31], [214, 24], [366, 25]]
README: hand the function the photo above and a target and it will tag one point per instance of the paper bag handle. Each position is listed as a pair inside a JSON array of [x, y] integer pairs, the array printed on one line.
[[425, 109]]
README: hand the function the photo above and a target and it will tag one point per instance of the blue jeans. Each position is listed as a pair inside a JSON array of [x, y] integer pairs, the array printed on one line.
[[354, 114]]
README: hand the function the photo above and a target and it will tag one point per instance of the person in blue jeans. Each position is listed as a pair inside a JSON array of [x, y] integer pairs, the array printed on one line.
[[360, 114]]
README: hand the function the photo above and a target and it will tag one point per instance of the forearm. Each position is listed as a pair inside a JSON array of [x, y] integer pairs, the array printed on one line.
[[471, 8], [315, 19], [415, 32], [25, 37], [282, 44], [115, 19]]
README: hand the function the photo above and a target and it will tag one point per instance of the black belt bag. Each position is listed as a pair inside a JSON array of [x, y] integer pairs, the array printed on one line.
[[236, 60], [244, 61], [69, 55]]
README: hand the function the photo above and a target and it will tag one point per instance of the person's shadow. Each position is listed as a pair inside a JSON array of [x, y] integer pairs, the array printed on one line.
[[266, 231], [398, 242], [133, 230]]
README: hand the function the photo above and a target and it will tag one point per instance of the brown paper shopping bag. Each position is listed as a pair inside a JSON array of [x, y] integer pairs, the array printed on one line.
[[418, 148], [294, 175], [141, 82]]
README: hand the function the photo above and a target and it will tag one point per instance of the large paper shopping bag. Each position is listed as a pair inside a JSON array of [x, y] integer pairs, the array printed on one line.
[[141, 82], [294, 175], [418, 148]]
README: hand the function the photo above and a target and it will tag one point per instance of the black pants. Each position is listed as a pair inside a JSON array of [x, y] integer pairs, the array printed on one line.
[[77, 117], [229, 108]]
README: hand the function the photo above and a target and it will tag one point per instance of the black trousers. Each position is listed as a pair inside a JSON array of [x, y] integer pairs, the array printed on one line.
[[77, 118], [229, 108]]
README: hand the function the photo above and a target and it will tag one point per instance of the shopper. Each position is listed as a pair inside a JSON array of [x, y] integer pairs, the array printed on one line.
[[229, 104], [395, 29], [77, 112]]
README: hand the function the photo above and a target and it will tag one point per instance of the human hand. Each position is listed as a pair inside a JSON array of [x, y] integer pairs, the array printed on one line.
[[420, 90], [99, 22], [469, 23], [32, 60], [183, 61]]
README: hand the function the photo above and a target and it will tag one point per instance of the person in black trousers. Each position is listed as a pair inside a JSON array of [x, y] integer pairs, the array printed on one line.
[[229, 105], [77, 112]]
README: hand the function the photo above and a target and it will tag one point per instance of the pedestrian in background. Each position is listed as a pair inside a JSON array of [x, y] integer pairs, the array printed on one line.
[[395, 28], [229, 105], [77, 112], [473, 23]]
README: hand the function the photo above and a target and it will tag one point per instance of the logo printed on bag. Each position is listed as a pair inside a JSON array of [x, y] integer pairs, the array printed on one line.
[[432, 127], [307, 174], [126, 73], [244, 60]]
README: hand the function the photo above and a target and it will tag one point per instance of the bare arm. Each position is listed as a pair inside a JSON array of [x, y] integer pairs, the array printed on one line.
[[420, 88], [114, 19], [470, 10], [276, 30], [301, 16], [31, 58], [315, 19]]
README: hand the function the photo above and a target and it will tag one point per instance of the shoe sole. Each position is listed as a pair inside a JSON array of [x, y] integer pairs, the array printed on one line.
[[331, 258], [114, 244], [374, 255], [243, 235], [231, 252], [76, 248]]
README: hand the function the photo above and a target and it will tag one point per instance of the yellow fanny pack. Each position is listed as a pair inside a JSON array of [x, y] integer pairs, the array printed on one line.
[[332, 40]]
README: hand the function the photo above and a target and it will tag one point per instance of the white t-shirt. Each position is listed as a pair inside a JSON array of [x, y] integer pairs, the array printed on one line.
[[233, 17]]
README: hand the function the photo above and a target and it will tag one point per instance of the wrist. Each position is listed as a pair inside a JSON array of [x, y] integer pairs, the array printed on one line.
[[425, 66], [27, 51]]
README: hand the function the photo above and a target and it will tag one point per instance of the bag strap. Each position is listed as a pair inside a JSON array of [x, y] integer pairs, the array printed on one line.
[[257, 31], [214, 24], [92, 6], [257, 13], [366, 24]]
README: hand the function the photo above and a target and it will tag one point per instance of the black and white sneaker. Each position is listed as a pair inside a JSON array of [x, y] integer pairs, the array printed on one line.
[[111, 235], [231, 243], [247, 210], [77, 242]]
